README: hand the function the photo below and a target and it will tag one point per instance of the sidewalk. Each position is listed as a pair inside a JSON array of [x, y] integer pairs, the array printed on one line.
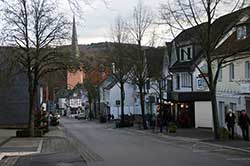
[[201, 136], [51, 149], [6, 134]]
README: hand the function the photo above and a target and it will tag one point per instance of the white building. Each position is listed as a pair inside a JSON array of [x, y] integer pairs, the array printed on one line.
[[110, 98]]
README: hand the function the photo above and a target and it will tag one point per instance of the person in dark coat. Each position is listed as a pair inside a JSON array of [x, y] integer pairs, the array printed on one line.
[[109, 117], [230, 120], [244, 122]]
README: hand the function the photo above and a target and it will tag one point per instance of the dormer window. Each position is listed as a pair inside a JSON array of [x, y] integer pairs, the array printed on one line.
[[185, 53], [241, 32]]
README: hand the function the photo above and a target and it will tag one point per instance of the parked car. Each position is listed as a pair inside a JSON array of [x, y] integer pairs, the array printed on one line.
[[73, 115], [81, 116]]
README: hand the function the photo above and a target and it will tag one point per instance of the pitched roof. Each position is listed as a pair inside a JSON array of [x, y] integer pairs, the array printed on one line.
[[220, 27], [155, 61]]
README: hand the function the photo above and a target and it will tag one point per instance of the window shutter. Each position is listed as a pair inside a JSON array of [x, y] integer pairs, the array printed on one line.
[[246, 70]]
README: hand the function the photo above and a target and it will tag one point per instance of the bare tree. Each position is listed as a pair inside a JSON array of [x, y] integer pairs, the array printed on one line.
[[120, 57], [202, 14], [92, 94], [141, 21], [35, 28]]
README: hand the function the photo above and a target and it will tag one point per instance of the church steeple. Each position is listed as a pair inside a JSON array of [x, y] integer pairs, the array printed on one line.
[[75, 48]]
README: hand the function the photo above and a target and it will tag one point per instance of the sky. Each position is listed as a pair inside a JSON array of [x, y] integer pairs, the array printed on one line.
[[95, 22]]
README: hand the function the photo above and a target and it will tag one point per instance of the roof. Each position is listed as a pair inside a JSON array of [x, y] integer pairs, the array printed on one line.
[[155, 61], [220, 27], [189, 34]]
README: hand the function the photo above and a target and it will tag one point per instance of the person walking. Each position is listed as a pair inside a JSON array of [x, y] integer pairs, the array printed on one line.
[[230, 120], [244, 122]]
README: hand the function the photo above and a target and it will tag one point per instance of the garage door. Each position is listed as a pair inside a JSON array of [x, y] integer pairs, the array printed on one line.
[[203, 114]]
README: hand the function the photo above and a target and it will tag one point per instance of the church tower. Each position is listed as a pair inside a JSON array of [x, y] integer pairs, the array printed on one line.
[[74, 78], [74, 44]]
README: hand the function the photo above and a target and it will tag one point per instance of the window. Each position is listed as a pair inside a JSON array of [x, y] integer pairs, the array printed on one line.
[[220, 75], [186, 80], [185, 54], [221, 112], [247, 70], [233, 106], [241, 32], [182, 55], [231, 72], [177, 81], [189, 53]]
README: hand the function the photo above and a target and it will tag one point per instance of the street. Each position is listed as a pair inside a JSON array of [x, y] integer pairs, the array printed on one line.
[[102, 145]]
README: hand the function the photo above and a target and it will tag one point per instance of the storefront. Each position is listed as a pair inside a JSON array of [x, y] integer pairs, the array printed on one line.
[[186, 108]]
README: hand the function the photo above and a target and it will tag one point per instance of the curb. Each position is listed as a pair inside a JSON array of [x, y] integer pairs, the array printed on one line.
[[226, 147]]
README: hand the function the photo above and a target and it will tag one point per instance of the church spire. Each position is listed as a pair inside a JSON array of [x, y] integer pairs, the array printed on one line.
[[75, 48]]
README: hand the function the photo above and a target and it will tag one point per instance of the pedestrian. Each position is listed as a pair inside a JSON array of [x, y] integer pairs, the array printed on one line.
[[112, 117], [162, 117], [244, 122], [230, 120], [109, 117]]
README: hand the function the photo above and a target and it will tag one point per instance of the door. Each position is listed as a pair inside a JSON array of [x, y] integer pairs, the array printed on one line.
[[221, 113], [248, 106]]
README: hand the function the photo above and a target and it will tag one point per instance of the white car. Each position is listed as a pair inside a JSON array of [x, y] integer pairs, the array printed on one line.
[[73, 115], [81, 116]]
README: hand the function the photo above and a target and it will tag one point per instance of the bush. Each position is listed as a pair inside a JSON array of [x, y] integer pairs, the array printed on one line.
[[172, 128], [39, 133], [127, 123], [102, 119], [22, 133], [223, 134]]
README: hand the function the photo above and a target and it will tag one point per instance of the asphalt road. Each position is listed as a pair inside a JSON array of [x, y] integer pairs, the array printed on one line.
[[103, 146]]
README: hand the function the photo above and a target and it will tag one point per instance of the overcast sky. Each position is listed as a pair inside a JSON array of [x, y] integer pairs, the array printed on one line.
[[97, 19]]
